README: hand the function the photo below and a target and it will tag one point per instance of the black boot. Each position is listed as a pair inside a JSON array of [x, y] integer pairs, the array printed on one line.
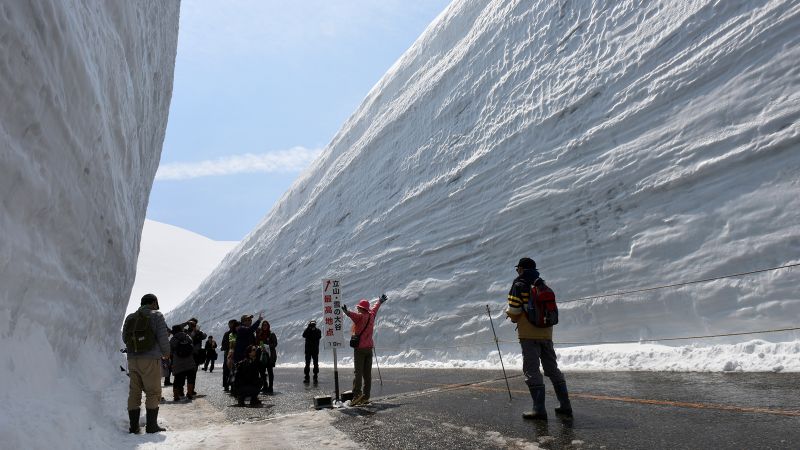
[[152, 421], [133, 415], [539, 412], [565, 407]]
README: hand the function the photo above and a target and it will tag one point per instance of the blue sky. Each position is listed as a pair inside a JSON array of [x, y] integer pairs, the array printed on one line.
[[261, 87]]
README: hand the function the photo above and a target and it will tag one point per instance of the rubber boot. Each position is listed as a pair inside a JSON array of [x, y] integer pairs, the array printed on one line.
[[565, 407], [133, 415], [190, 393], [177, 393], [539, 412], [152, 421]]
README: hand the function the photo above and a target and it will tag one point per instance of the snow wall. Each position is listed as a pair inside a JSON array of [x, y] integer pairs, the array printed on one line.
[[85, 88], [620, 144]]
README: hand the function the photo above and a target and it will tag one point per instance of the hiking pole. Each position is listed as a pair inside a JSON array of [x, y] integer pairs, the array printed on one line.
[[377, 365], [497, 343]]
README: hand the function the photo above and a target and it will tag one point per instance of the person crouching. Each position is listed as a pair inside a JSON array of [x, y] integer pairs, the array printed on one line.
[[248, 380]]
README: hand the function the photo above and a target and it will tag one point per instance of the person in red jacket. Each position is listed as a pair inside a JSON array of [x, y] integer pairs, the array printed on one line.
[[363, 326]]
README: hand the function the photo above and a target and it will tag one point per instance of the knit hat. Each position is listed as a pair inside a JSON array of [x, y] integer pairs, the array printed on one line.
[[363, 304]]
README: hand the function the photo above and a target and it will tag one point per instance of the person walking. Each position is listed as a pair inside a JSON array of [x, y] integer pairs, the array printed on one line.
[[536, 342], [312, 335], [363, 326], [211, 353], [267, 356], [227, 338], [145, 335]]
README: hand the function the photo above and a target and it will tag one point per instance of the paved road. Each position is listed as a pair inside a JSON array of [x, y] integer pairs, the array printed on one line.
[[470, 409]]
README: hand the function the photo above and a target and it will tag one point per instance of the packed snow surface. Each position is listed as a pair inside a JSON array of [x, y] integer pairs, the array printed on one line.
[[85, 88], [622, 145], [172, 263]]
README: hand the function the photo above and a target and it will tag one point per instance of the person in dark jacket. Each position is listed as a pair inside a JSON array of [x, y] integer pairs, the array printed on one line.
[[144, 367], [248, 381], [245, 336], [312, 335], [183, 366], [229, 336], [267, 356], [211, 353], [199, 355], [537, 344]]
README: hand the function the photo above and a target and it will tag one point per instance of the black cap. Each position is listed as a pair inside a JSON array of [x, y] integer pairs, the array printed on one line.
[[245, 317], [526, 263], [149, 299]]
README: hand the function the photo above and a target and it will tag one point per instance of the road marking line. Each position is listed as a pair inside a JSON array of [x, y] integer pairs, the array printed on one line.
[[644, 401]]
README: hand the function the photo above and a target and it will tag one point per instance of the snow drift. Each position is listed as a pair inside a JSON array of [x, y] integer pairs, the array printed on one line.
[[172, 263], [620, 144], [85, 89]]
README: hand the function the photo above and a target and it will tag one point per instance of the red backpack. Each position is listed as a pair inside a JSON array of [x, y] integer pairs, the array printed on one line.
[[542, 310]]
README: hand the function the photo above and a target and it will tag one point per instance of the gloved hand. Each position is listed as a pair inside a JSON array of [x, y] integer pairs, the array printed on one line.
[[383, 298], [344, 308]]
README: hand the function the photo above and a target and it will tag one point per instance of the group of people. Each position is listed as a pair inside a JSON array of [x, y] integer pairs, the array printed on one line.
[[249, 353]]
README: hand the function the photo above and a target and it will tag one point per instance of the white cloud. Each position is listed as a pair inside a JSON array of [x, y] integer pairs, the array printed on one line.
[[292, 160]]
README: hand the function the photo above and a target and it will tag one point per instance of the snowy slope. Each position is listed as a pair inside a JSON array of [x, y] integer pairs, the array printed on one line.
[[85, 88], [620, 144], [173, 262]]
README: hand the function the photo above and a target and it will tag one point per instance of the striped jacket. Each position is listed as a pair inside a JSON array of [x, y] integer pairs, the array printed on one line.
[[518, 297]]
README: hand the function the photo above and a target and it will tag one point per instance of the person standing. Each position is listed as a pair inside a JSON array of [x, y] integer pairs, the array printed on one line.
[[183, 366], [245, 336], [211, 353], [267, 356], [312, 335], [536, 342], [227, 338], [363, 326], [145, 335]]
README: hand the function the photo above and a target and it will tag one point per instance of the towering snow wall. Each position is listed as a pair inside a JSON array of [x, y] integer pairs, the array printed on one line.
[[85, 88], [620, 144]]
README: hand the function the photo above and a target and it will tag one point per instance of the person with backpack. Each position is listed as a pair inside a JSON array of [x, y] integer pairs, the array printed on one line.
[[228, 344], [145, 335], [183, 366], [361, 341], [267, 356], [531, 305], [312, 335], [211, 354]]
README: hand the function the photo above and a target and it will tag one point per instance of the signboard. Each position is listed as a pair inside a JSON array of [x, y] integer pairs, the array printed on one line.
[[332, 314]]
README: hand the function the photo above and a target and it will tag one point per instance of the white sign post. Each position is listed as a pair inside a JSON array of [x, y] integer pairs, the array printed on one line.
[[333, 322]]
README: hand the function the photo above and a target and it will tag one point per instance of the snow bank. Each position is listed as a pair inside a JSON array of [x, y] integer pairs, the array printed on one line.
[[621, 145], [85, 89], [172, 263]]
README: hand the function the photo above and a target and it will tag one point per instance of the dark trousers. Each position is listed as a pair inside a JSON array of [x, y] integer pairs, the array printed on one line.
[[362, 371], [309, 357], [248, 390], [226, 372], [188, 376], [212, 361], [268, 376], [534, 350]]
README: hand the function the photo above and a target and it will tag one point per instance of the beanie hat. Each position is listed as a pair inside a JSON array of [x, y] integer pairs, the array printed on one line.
[[363, 304], [149, 299]]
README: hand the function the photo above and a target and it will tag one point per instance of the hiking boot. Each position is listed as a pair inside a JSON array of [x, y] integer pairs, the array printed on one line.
[[177, 393], [190, 393], [255, 402], [240, 402], [305, 379], [358, 400], [133, 415], [152, 421], [539, 412]]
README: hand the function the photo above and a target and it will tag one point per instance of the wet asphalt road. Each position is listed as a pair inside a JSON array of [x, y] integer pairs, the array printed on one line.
[[470, 409]]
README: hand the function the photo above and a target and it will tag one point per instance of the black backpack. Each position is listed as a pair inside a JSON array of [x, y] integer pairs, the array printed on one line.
[[185, 347]]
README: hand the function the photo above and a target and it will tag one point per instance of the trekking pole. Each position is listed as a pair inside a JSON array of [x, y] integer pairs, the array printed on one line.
[[497, 343], [377, 365]]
